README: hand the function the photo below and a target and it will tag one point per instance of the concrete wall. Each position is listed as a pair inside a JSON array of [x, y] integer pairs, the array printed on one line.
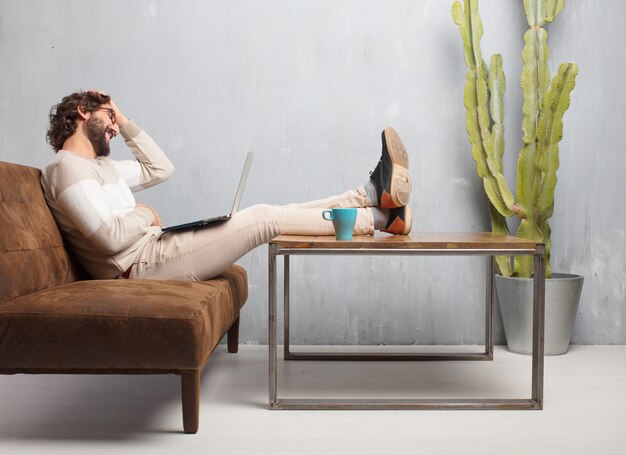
[[309, 85]]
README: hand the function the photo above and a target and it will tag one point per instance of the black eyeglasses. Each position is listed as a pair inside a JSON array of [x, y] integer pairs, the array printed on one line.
[[110, 112]]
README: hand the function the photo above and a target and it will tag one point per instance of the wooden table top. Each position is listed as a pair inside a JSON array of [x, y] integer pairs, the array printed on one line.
[[416, 240]]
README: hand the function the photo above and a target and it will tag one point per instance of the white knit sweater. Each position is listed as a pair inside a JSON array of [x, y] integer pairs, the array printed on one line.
[[93, 204]]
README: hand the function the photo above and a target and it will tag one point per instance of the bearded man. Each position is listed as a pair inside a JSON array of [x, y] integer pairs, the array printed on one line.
[[89, 194]]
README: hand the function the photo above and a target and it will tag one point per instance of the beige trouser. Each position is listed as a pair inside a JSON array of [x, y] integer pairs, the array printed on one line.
[[205, 253]]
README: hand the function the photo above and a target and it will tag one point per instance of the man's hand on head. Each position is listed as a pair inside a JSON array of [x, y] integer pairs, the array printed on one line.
[[120, 118]]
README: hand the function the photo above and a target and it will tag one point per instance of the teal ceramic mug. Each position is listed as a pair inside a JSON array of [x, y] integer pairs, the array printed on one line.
[[343, 221]]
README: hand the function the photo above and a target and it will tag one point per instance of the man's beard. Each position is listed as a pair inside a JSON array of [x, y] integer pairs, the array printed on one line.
[[96, 132]]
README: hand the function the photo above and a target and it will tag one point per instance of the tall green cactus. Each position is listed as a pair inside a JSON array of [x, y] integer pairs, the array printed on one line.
[[545, 104]]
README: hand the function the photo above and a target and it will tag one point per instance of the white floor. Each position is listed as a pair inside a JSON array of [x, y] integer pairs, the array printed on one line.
[[584, 409]]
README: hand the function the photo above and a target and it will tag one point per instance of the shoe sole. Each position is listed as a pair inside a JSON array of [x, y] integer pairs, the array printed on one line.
[[399, 226], [400, 178]]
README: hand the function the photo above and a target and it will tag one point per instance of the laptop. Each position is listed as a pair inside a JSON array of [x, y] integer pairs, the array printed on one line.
[[218, 219]]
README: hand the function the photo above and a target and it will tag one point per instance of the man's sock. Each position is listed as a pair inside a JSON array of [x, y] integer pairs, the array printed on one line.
[[370, 189], [381, 217]]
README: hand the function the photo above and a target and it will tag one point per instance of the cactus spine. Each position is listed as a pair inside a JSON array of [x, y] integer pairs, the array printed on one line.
[[545, 104]]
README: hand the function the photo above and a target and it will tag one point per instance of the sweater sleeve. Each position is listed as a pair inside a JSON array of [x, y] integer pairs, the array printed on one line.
[[150, 167], [108, 227]]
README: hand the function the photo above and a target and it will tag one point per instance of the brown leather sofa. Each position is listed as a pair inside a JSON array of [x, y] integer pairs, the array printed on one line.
[[54, 320]]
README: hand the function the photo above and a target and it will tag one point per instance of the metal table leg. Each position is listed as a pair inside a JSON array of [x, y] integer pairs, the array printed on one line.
[[287, 352], [273, 373], [538, 324], [490, 292]]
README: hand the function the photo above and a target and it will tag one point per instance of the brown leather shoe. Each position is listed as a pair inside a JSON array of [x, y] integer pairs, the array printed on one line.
[[399, 221], [391, 175]]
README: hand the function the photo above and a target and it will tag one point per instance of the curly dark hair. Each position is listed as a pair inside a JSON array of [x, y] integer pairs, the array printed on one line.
[[63, 116]]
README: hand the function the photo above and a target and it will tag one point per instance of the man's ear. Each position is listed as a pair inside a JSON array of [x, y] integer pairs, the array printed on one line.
[[82, 113]]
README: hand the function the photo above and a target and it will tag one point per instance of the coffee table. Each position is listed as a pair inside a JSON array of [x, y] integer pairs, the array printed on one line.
[[417, 244]]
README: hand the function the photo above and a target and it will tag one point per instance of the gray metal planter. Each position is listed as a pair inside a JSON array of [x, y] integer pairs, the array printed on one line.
[[515, 296]]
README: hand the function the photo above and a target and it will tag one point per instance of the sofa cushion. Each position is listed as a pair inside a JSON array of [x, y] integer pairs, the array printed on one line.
[[120, 324]]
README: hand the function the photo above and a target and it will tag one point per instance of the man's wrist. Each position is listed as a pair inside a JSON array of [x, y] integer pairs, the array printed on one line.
[[148, 212]]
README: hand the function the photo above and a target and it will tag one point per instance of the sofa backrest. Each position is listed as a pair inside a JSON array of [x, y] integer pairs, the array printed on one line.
[[32, 254]]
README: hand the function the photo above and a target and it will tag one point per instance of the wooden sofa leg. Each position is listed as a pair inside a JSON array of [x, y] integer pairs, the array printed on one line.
[[190, 382], [233, 337]]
